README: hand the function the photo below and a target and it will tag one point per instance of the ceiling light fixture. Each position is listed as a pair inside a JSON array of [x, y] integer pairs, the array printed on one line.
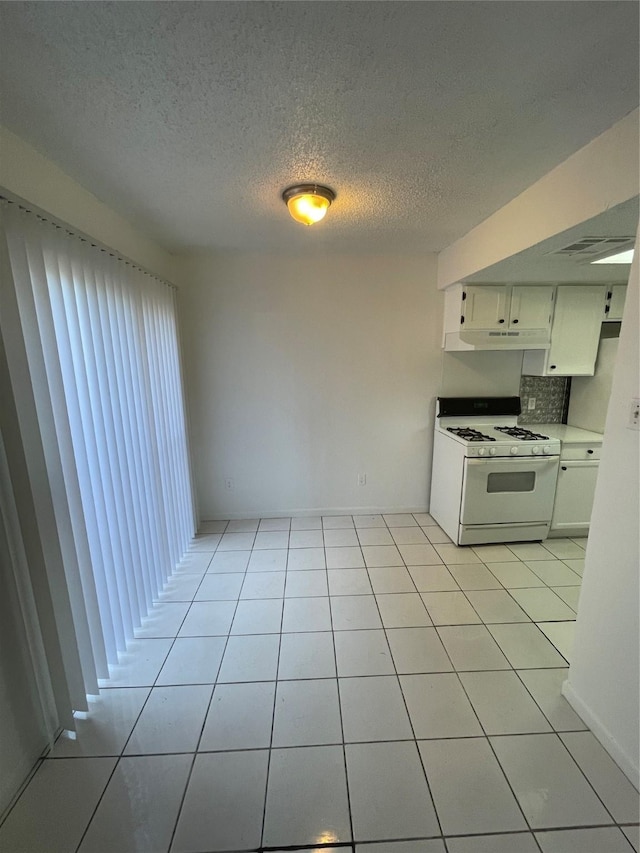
[[624, 257], [308, 203]]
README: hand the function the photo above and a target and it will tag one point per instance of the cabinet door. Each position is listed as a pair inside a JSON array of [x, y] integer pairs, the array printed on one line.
[[575, 332], [615, 304], [485, 306], [574, 495], [531, 307]]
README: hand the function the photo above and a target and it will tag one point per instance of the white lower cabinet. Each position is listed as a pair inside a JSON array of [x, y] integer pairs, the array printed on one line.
[[574, 495]]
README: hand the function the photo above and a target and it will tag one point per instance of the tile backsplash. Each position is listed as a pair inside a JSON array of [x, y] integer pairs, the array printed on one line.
[[551, 395]]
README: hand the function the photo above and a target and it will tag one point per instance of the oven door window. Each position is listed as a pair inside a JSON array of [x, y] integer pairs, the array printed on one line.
[[511, 481]]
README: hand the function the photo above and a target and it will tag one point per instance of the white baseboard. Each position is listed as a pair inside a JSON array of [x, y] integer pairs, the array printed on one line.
[[626, 763], [305, 513]]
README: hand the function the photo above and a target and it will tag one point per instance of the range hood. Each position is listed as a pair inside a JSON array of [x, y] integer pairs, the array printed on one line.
[[484, 339]]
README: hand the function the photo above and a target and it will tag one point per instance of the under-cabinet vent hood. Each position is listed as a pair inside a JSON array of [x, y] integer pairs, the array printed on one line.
[[488, 339]]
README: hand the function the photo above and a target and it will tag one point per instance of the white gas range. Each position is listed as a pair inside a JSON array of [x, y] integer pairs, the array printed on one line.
[[492, 481]]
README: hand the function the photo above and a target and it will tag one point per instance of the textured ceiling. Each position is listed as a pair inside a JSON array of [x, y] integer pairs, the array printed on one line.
[[425, 117]]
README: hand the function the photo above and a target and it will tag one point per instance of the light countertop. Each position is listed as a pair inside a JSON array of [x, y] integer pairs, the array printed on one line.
[[569, 434]]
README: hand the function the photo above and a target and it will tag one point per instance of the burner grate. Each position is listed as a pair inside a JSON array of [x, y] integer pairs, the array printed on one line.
[[522, 434], [470, 434]]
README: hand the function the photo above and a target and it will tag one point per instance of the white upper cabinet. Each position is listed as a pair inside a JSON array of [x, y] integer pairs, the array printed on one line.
[[531, 307], [497, 316], [614, 307], [575, 334], [485, 307]]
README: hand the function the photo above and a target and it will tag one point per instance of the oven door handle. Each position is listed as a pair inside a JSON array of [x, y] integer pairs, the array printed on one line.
[[538, 461]]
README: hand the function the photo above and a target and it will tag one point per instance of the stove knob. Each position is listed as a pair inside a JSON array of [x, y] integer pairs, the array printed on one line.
[[513, 451], [535, 451], [492, 451], [546, 450], [481, 451]]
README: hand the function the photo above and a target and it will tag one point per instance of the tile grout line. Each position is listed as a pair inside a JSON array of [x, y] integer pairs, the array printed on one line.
[[406, 707], [275, 700], [335, 660], [204, 721], [493, 752]]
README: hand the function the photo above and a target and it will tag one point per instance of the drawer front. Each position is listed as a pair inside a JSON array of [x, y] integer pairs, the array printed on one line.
[[579, 452]]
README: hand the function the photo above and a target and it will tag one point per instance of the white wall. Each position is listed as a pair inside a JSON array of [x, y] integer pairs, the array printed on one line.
[[483, 374], [590, 394], [603, 679], [599, 176], [304, 372]]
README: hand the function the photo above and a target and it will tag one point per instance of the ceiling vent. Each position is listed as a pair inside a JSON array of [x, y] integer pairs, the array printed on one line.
[[591, 247]]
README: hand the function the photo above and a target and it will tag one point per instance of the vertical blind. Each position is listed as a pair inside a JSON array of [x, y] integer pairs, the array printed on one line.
[[102, 344]]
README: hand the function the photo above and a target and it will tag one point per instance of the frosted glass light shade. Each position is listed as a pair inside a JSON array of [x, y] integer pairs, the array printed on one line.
[[308, 203]]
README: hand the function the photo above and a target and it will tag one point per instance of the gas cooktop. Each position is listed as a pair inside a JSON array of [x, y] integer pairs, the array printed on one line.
[[488, 427]]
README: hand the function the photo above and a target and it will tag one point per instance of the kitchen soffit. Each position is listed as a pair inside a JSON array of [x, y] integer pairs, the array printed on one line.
[[547, 262], [190, 118]]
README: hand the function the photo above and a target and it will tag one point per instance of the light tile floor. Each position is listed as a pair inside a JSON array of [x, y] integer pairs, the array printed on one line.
[[340, 683]]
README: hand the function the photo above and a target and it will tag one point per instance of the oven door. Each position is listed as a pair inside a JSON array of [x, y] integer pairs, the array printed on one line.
[[508, 490]]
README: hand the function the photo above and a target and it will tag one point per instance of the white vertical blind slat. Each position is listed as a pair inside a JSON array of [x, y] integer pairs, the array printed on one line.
[[119, 450], [93, 338], [26, 362], [59, 452], [73, 453], [162, 421], [146, 429], [79, 289], [117, 472], [147, 589]]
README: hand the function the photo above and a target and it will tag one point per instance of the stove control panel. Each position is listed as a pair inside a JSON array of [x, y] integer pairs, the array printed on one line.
[[514, 450]]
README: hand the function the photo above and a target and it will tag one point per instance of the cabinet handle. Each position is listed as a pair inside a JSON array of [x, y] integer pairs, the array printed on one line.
[[500, 321], [589, 451], [514, 321], [564, 467], [552, 367]]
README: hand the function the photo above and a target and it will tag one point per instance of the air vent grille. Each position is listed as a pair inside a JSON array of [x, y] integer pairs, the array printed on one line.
[[591, 246]]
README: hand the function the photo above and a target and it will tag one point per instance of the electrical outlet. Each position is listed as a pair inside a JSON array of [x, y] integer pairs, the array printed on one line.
[[362, 479], [228, 484], [634, 414], [531, 404]]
